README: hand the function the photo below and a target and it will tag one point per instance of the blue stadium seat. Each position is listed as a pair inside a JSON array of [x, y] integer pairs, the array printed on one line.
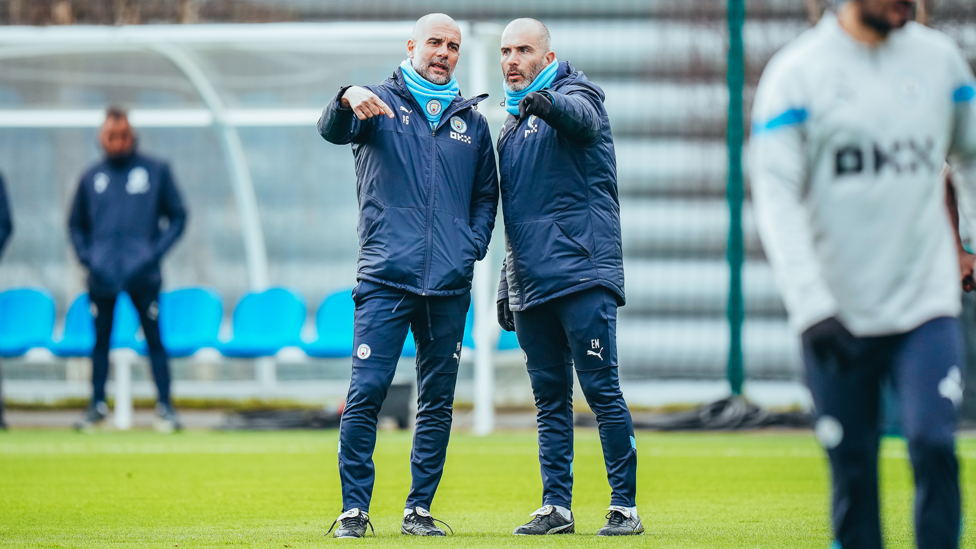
[[79, 328], [409, 345], [126, 324], [265, 322], [507, 341], [334, 322], [467, 339], [189, 320], [26, 320]]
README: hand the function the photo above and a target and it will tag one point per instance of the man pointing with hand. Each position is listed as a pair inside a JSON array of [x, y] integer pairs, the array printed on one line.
[[563, 275], [428, 193]]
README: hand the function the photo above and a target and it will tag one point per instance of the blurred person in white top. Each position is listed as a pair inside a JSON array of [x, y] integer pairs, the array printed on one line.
[[852, 124]]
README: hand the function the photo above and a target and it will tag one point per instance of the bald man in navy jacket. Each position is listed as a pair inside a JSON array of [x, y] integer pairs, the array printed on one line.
[[126, 215], [6, 229]]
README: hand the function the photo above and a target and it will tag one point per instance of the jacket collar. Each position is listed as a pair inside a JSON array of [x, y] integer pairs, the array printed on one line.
[[459, 102]]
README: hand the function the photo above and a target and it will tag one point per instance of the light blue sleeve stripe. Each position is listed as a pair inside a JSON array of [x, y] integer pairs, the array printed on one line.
[[791, 117], [964, 94]]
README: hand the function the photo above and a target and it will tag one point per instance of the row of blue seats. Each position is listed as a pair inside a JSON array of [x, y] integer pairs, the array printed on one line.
[[190, 318]]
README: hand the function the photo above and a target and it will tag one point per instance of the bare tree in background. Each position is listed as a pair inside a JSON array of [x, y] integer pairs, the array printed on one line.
[[922, 12], [815, 10], [189, 12], [30, 12], [14, 9], [127, 12], [61, 13]]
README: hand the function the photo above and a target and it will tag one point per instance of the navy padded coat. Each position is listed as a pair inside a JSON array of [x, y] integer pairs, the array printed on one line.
[[559, 197], [427, 198], [6, 224], [115, 222]]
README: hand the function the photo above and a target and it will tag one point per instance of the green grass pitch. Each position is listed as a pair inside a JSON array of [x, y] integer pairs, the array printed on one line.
[[202, 489]]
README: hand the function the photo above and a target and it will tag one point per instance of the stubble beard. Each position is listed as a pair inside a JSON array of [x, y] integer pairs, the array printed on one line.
[[877, 21], [423, 69], [527, 80]]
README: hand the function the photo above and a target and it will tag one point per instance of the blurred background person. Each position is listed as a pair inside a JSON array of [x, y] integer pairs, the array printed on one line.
[[127, 213], [853, 122], [6, 229], [962, 231], [967, 260]]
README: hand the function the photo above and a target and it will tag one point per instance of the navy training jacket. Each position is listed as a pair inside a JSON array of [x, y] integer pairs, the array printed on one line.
[[559, 197], [115, 222], [427, 198], [6, 224]]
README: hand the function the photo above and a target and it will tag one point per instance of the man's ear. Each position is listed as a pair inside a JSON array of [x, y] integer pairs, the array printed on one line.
[[550, 57], [411, 45]]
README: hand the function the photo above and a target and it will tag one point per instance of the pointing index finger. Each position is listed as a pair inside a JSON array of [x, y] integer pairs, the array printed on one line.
[[386, 108]]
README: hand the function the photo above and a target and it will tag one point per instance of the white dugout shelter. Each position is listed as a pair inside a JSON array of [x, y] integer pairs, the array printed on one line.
[[227, 81], [233, 108]]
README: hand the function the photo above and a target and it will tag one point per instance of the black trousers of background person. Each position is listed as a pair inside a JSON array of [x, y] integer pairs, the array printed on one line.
[[146, 301], [2, 424], [923, 366]]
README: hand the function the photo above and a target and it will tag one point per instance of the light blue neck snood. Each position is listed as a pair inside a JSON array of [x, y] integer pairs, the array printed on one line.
[[544, 80], [433, 98]]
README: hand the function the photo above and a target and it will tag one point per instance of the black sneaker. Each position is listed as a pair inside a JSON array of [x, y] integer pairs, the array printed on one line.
[[547, 521], [621, 523], [94, 415], [418, 522], [352, 524], [168, 421]]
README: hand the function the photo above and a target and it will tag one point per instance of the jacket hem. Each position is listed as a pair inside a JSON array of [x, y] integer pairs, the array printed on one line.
[[906, 323], [413, 289], [572, 290]]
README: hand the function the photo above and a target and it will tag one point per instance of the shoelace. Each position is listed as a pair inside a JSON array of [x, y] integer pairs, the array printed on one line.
[[429, 522], [350, 522], [615, 518], [538, 519]]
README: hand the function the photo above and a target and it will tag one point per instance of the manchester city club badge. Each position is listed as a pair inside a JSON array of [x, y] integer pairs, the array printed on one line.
[[458, 124], [364, 351], [433, 107]]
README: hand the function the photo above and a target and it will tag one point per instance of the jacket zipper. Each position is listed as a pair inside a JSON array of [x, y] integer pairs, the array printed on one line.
[[518, 278], [430, 177], [502, 140], [430, 188], [430, 209]]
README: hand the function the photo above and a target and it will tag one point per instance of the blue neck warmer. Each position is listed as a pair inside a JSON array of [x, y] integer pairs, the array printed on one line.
[[544, 80], [433, 98]]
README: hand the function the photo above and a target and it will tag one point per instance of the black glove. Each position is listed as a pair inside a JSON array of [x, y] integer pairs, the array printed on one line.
[[506, 318], [534, 103], [831, 343]]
